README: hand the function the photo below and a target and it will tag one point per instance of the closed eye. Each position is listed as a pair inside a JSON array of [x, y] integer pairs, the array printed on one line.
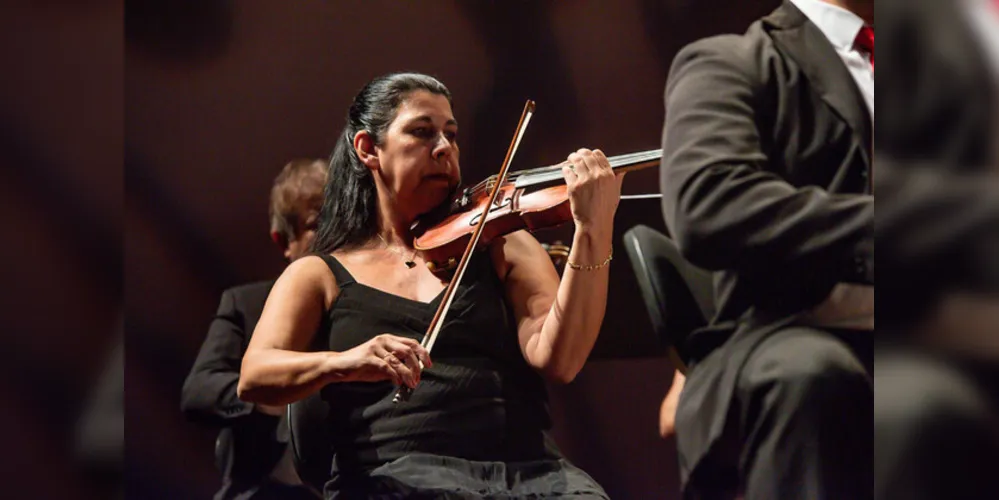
[[423, 132]]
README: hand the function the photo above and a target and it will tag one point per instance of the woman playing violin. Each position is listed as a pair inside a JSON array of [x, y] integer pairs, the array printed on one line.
[[347, 322]]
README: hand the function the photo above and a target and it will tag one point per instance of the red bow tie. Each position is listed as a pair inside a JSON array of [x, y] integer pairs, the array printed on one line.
[[865, 41]]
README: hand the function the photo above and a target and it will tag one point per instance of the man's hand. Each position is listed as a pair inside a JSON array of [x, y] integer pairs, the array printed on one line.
[[667, 411], [274, 410]]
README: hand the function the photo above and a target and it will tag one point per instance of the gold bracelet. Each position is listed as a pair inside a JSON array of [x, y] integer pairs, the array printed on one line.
[[591, 267]]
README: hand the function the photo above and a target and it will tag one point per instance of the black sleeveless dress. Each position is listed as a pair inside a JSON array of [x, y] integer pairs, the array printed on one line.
[[477, 413]]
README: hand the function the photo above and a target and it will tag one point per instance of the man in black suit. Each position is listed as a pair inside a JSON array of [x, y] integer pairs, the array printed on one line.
[[938, 136], [766, 179], [937, 383], [252, 449]]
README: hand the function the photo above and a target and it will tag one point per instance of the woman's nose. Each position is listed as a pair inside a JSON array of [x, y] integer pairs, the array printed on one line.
[[443, 147]]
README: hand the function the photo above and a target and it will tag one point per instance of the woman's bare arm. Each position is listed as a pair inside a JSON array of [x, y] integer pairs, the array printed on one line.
[[557, 322], [276, 369]]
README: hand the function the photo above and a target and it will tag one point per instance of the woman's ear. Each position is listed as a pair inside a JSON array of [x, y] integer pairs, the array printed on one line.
[[364, 145]]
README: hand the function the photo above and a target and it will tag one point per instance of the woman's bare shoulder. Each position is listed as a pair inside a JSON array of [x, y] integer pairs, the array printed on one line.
[[310, 274]]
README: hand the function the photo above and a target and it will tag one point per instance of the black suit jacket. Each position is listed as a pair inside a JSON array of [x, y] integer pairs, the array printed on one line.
[[209, 393], [937, 93], [250, 443], [937, 153], [766, 167], [766, 179]]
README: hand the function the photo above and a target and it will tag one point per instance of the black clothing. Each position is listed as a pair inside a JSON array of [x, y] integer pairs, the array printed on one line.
[[938, 158], [936, 433], [250, 443], [209, 393], [792, 417], [480, 403], [766, 158], [766, 179]]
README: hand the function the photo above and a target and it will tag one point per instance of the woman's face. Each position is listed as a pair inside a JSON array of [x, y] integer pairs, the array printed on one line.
[[418, 155]]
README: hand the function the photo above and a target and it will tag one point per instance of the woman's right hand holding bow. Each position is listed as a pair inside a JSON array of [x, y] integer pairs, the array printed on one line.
[[385, 357]]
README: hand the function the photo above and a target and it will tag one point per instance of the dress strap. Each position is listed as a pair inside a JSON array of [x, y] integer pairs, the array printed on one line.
[[343, 277]]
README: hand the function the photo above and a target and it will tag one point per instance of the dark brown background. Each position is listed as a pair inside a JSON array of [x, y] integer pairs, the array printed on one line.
[[219, 95], [61, 139]]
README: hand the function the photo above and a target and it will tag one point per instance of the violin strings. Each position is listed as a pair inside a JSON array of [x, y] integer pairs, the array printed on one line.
[[547, 173]]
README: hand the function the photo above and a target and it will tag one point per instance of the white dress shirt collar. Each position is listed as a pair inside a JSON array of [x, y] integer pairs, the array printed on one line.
[[839, 25]]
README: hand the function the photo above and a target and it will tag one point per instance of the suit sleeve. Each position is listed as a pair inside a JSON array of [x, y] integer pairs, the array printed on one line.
[[209, 392], [721, 205], [938, 232]]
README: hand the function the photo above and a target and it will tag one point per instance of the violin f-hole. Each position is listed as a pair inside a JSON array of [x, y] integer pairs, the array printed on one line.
[[507, 201]]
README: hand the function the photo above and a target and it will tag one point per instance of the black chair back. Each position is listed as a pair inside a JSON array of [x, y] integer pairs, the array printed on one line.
[[310, 440], [678, 295]]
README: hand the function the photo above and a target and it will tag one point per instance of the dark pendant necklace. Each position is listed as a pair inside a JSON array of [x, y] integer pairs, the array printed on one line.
[[410, 263]]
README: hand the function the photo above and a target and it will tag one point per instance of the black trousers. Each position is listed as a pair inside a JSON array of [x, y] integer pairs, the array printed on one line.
[[422, 476], [936, 434], [795, 423], [264, 490]]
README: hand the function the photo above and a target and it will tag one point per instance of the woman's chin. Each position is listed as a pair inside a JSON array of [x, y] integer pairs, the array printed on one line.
[[437, 192], [433, 201]]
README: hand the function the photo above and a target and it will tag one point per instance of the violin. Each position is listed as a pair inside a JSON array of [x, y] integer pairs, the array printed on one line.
[[528, 199], [531, 199]]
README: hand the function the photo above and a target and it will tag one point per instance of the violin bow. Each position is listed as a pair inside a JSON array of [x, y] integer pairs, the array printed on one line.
[[430, 337]]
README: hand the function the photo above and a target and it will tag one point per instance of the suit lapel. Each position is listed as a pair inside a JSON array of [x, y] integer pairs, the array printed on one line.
[[803, 42]]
